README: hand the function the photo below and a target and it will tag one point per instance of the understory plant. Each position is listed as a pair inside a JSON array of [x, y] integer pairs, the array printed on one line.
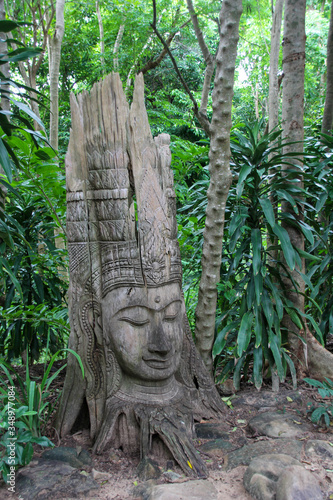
[[257, 258], [27, 408], [324, 411]]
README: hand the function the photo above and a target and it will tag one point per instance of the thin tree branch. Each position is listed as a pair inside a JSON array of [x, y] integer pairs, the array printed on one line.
[[209, 59], [152, 63], [204, 122]]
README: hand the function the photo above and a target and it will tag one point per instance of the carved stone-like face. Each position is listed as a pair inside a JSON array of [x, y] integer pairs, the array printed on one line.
[[145, 330]]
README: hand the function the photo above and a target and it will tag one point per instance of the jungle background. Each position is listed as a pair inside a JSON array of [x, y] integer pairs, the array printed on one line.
[[52, 48]]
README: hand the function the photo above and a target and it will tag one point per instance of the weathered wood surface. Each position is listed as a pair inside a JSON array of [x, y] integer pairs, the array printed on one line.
[[143, 376]]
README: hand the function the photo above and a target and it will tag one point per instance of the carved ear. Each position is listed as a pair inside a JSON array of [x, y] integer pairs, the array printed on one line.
[[91, 318]]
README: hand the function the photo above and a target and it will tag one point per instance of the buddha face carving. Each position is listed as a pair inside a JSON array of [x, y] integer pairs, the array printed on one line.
[[144, 327]]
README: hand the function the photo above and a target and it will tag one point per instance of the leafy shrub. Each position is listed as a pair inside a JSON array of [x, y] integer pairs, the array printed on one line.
[[26, 407], [257, 258], [324, 411]]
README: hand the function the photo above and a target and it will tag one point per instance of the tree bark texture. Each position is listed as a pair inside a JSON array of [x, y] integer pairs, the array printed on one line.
[[293, 131], [117, 46], [327, 123], [273, 94], [101, 35], [220, 178], [5, 102], [144, 380], [55, 52]]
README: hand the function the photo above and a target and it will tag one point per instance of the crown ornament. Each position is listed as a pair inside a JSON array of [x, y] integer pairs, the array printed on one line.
[[121, 222]]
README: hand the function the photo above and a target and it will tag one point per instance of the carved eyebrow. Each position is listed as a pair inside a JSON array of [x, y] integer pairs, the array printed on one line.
[[170, 304]]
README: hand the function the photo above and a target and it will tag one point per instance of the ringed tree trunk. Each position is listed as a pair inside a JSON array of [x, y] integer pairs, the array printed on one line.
[[144, 382], [327, 123], [308, 354], [220, 178]]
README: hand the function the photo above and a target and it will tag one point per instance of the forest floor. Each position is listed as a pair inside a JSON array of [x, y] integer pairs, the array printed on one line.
[[117, 473]]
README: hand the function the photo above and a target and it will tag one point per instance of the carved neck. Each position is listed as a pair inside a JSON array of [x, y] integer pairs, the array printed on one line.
[[143, 391]]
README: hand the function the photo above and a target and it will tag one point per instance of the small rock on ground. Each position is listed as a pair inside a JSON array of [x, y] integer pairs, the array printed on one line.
[[244, 455], [191, 490], [53, 479], [278, 425], [280, 477], [296, 483], [75, 457]]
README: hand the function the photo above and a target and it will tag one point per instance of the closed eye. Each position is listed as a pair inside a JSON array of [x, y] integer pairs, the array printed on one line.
[[134, 322], [171, 311]]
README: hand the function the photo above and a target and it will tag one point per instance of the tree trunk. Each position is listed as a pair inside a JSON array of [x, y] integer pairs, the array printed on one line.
[[144, 381], [308, 354], [273, 93], [55, 52], [101, 35], [5, 102], [293, 131], [117, 46], [327, 124], [220, 178]]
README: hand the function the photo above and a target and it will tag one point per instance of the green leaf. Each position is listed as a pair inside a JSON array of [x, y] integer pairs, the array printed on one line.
[[42, 441], [237, 372], [258, 286], [267, 207], [268, 309], [244, 333], [257, 367], [287, 248], [316, 327], [276, 350], [307, 231], [308, 256], [219, 342], [27, 454], [22, 54], [258, 326], [291, 368], [294, 317], [286, 196], [245, 171], [7, 25], [256, 245], [5, 161], [28, 111]]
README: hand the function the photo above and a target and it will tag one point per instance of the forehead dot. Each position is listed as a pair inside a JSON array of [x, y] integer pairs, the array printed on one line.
[[157, 299]]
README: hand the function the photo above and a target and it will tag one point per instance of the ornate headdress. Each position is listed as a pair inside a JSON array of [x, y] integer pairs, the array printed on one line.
[[121, 222]]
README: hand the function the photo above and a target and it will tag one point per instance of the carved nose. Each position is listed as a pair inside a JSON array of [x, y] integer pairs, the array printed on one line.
[[158, 342]]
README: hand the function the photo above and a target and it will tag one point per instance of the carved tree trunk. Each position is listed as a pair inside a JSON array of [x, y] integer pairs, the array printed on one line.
[[144, 381], [220, 178]]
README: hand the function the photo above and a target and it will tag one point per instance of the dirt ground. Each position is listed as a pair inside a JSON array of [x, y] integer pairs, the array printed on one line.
[[116, 472]]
